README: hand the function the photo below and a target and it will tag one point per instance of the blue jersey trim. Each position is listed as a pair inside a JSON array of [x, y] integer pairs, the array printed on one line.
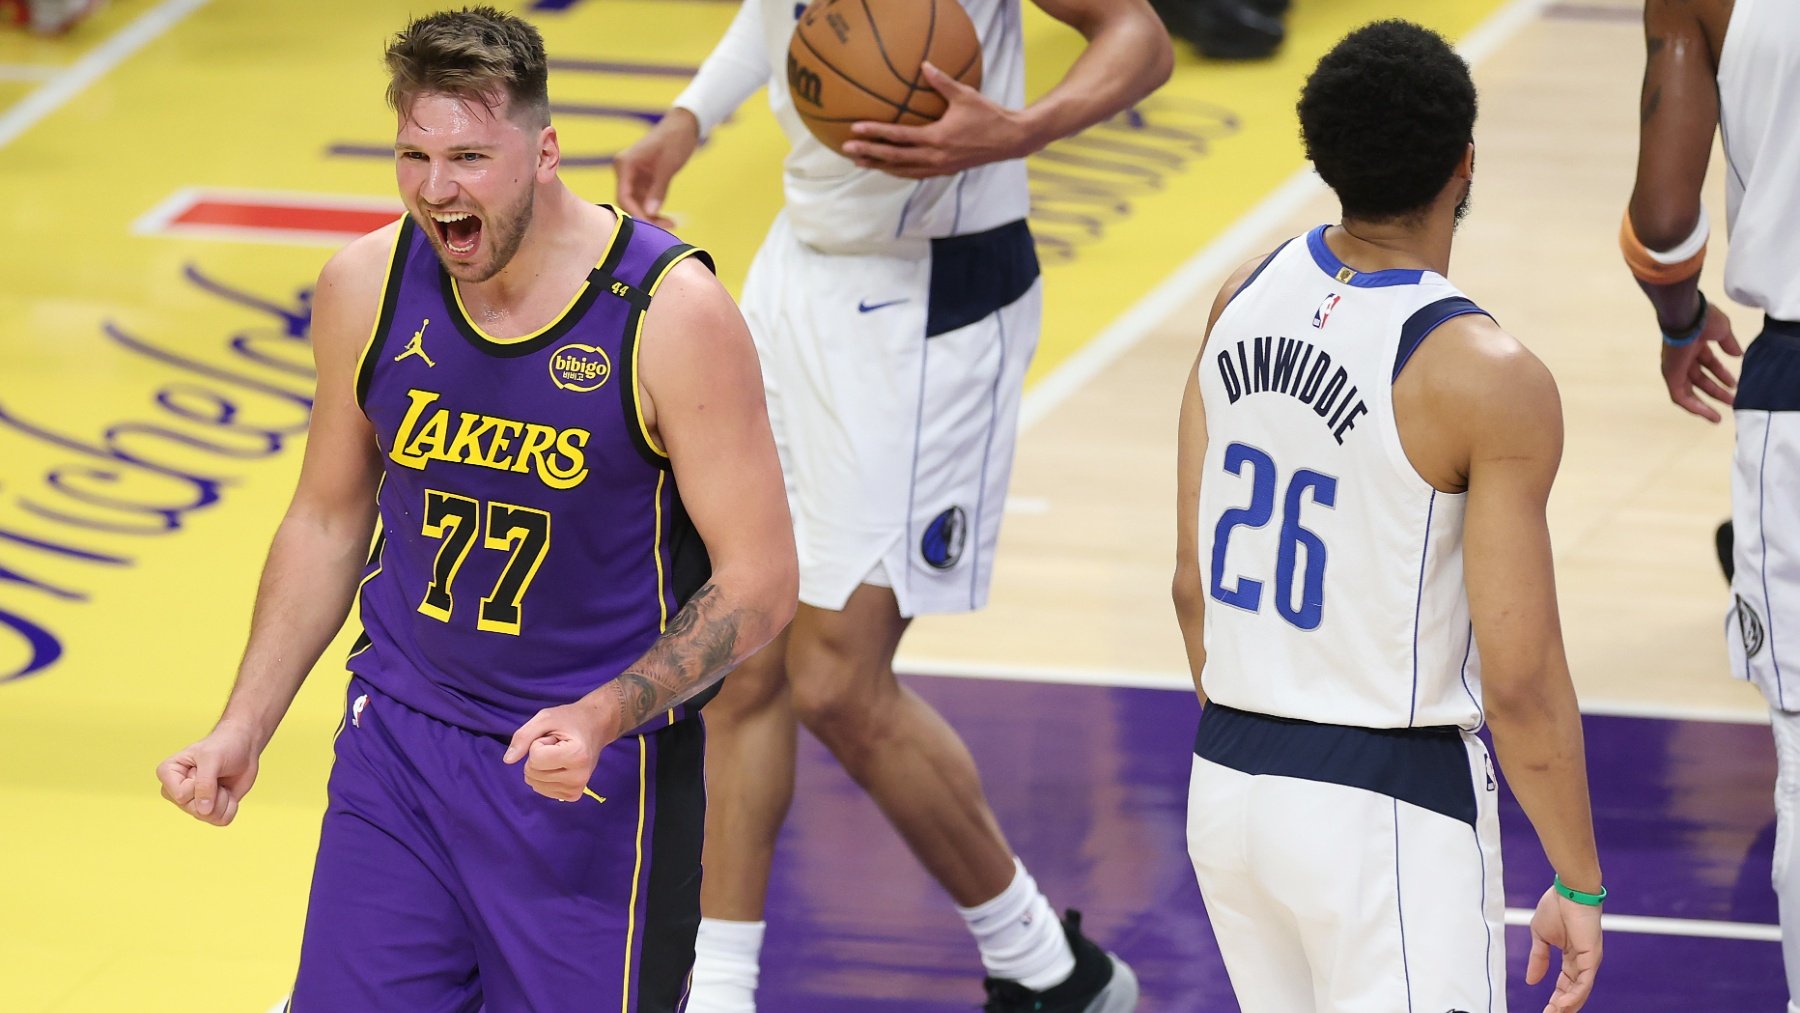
[[1487, 929], [1425, 767], [1345, 274], [1400, 908], [1762, 527], [1412, 708], [1427, 319]]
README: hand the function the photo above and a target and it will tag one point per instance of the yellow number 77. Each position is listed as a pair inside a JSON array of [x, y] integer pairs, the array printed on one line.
[[523, 531]]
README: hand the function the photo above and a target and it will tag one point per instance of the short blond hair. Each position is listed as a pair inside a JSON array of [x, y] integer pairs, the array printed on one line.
[[477, 53]]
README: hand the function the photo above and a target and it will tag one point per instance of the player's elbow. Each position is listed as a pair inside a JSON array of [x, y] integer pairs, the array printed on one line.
[[1664, 225], [785, 600], [1160, 59], [1525, 695], [773, 594]]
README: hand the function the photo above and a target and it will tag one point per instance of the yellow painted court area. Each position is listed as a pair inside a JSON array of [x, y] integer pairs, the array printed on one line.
[[152, 408]]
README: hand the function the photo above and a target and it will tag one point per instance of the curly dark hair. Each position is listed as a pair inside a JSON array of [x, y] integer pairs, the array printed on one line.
[[1386, 117]]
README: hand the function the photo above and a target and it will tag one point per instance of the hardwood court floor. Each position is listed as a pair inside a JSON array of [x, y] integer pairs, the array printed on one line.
[[1086, 555]]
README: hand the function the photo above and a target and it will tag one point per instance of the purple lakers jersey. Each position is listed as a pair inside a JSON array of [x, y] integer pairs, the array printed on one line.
[[532, 541]]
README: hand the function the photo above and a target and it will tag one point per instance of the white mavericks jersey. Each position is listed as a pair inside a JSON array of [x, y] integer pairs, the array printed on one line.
[[835, 207], [1759, 108], [1334, 572]]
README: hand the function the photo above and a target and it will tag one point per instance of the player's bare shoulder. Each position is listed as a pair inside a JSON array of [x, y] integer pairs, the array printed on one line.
[[1472, 361], [690, 313], [1473, 390], [347, 299]]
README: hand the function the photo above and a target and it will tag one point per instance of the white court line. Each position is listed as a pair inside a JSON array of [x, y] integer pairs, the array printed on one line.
[[1243, 240], [1047, 674], [1180, 682], [67, 84], [1652, 926], [28, 71]]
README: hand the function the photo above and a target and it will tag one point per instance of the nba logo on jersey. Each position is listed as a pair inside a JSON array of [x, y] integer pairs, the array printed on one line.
[[1323, 313], [356, 709]]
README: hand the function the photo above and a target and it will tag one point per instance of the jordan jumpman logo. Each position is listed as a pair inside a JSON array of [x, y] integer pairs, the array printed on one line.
[[416, 346]]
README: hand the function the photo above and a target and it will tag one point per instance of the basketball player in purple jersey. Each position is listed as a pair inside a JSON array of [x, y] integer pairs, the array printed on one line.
[[556, 413], [895, 304]]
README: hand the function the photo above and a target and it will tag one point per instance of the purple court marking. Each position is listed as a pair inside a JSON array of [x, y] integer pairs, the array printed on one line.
[[1090, 784]]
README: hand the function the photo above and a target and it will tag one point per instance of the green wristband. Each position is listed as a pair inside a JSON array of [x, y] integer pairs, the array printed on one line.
[[1589, 899]]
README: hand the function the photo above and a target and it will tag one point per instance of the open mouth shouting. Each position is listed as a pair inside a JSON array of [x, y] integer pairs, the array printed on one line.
[[459, 231]]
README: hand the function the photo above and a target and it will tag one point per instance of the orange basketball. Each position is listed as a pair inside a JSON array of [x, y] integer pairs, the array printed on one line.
[[853, 60]]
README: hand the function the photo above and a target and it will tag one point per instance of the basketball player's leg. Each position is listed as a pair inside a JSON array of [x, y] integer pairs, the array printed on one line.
[[384, 929], [1399, 907], [589, 904], [921, 775], [893, 744], [750, 724], [1764, 585], [750, 744], [1786, 870], [1257, 937], [750, 747]]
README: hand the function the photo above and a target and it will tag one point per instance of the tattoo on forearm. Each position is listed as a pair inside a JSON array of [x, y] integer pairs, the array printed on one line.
[[697, 648], [1650, 105]]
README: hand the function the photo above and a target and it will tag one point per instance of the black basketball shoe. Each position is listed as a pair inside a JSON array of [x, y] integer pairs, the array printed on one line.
[[1100, 983], [1226, 29]]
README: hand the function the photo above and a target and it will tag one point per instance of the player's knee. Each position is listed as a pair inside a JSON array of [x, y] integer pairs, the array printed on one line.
[[841, 709], [758, 686]]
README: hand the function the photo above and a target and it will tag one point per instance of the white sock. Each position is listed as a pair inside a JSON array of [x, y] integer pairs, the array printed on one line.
[[727, 959], [1019, 936]]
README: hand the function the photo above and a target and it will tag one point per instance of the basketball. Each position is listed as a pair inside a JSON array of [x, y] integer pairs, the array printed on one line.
[[853, 60]]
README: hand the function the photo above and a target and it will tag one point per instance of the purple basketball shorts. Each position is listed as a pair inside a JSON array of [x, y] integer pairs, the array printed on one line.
[[444, 883]]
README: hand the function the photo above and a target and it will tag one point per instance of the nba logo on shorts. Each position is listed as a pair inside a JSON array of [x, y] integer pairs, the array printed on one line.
[[356, 709], [1323, 313], [942, 545]]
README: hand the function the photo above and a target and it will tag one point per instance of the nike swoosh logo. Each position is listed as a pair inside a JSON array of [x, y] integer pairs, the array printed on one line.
[[863, 307]]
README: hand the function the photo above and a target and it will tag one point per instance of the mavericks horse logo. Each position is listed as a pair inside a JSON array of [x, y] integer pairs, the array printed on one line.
[[942, 545], [1750, 627]]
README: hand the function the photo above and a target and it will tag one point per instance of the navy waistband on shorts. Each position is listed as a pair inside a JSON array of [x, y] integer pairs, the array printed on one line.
[[975, 274], [1426, 767], [1770, 378]]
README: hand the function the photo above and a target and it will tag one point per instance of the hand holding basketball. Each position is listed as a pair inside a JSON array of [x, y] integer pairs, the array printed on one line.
[[974, 130], [208, 779]]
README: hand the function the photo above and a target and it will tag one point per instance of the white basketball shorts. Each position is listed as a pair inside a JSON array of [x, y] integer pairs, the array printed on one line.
[[1349, 870], [893, 386], [1765, 477]]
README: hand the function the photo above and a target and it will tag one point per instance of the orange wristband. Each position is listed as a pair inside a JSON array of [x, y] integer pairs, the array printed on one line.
[[1654, 268]]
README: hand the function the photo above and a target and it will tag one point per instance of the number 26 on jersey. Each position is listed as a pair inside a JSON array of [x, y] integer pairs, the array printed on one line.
[[1245, 592]]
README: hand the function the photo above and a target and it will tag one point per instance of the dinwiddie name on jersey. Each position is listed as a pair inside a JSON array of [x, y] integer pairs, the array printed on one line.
[[1295, 368], [556, 457]]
